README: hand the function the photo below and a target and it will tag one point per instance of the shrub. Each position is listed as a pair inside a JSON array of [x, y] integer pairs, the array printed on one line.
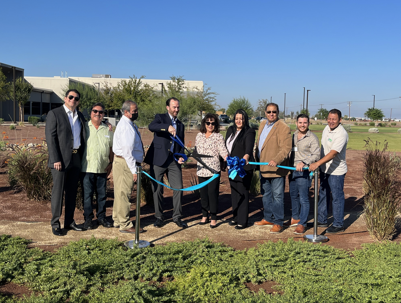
[[34, 120], [146, 186], [356, 123], [347, 127], [28, 171], [12, 126], [1, 121], [382, 189], [393, 124], [381, 124], [255, 183]]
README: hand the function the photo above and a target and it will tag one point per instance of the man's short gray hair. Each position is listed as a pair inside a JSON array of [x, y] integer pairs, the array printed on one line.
[[127, 106]]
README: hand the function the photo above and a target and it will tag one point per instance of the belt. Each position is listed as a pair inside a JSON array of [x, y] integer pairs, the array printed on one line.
[[137, 163], [74, 151]]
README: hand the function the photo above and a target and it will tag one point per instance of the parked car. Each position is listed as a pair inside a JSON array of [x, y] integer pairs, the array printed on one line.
[[224, 118]]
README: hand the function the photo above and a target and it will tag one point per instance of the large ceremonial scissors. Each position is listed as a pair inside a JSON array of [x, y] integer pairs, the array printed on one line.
[[194, 154]]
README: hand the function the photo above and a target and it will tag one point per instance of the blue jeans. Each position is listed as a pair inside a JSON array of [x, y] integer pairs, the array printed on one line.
[[335, 185], [272, 190], [90, 182], [299, 192]]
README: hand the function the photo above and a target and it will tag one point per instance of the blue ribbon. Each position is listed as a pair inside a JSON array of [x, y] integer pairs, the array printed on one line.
[[191, 188], [236, 167]]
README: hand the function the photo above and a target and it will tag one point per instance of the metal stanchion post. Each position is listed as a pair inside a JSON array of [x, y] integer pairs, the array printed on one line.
[[315, 237], [137, 243]]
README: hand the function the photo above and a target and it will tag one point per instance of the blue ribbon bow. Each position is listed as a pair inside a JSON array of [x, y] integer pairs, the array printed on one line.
[[236, 167]]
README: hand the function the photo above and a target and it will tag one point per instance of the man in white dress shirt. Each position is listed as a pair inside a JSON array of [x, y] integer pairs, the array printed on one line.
[[128, 150]]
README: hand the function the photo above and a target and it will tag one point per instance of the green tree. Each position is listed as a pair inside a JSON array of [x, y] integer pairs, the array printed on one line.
[[240, 103], [260, 110], [374, 114], [322, 114], [89, 94], [204, 100], [23, 91], [305, 112], [5, 87]]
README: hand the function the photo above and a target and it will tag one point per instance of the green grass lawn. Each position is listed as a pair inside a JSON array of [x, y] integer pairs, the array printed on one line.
[[99, 270], [360, 133]]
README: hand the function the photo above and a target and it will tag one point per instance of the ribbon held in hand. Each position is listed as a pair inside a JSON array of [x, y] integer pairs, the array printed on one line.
[[236, 167]]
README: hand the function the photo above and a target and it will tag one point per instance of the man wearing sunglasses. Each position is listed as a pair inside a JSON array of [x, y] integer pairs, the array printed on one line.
[[65, 137], [96, 166], [273, 145]]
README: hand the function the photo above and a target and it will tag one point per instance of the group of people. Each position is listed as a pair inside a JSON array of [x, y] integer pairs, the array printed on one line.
[[89, 150]]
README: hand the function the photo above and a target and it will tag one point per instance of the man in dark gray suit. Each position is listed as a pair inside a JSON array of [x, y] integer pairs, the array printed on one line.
[[161, 160], [65, 137]]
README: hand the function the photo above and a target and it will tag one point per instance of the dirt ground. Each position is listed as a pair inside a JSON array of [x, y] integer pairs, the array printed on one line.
[[29, 219], [22, 217]]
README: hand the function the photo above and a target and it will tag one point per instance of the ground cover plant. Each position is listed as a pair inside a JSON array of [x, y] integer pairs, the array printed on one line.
[[98, 270]]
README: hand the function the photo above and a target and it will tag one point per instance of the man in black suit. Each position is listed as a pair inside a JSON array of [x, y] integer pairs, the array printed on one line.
[[65, 137], [161, 160]]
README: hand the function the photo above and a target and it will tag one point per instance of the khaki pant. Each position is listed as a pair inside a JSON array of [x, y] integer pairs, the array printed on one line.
[[123, 183]]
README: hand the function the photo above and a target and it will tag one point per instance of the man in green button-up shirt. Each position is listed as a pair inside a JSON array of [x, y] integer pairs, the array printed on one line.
[[96, 166]]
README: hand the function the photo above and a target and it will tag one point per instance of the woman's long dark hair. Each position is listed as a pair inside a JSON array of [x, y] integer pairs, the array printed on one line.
[[246, 119]]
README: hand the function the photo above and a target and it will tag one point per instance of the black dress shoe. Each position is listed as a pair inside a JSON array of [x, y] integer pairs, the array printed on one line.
[[180, 223], [232, 222], [239, 226], [88, 224], [204, 223], [333, 230], [57, 231], [159, 223], [213, 226], [74, 226], [322, 224], [104, 223]]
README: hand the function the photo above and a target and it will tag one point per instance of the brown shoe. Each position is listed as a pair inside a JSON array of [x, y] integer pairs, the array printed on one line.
[[276, 229], [299, 230], [263, 222], [293, 222], [130, 230]]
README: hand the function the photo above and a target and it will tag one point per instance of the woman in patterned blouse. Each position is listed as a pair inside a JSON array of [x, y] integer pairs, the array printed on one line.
[[210, 142]]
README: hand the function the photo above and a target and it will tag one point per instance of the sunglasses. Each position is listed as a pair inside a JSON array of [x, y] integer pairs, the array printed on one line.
[[271, 112], [98, 111], [72, 97], [208, 123]]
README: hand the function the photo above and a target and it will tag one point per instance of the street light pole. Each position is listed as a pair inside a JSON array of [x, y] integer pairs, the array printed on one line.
[[374, 97], [303, 102], [307, 98], [284, 105], [162, 84]]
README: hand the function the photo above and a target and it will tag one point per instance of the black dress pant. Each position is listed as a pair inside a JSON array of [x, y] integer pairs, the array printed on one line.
[[240, 198], [209, 197], [65, 181]]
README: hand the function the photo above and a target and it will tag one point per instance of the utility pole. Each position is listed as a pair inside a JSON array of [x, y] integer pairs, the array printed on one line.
[[374, 97], [391, 111], [284, 105], [271, 99], [349, 110], [321, 106], [307, 98], [162, 84], [303, 102]]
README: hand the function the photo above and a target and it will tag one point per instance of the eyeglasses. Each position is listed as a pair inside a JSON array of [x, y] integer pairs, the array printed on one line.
[[98, 111], [208, 123], [72, 97], [271, 112]]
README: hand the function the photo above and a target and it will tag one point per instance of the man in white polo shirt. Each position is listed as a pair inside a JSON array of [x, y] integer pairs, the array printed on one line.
[[333, 168]]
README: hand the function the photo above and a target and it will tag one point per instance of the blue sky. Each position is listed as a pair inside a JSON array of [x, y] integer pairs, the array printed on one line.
[[341, 50]]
